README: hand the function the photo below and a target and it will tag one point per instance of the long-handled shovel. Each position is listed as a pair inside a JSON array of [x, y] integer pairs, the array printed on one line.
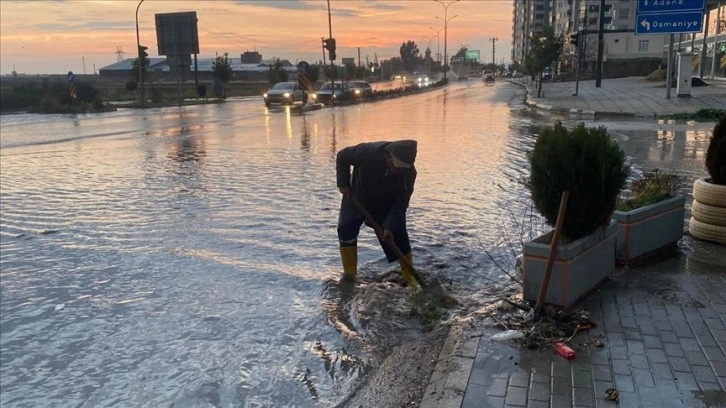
[[433, 288]]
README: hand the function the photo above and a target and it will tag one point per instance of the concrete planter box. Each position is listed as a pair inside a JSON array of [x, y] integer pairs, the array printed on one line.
[[579, 266], [647, 229]]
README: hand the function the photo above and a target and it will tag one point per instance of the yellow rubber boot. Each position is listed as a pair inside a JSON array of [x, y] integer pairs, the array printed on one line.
[[408, 273], [349, 256]]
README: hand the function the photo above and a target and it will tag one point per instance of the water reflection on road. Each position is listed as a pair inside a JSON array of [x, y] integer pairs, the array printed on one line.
[[192, 249]]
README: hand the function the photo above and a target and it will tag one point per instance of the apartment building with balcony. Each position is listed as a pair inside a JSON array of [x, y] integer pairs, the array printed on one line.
[[624, 52], [530, 17]]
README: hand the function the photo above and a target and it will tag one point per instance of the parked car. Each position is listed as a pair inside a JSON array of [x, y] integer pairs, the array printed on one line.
[[285, 93], [332, 91], [547, 73], [360, 89]]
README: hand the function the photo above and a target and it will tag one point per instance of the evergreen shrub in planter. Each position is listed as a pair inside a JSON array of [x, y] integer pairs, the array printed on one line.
[[652, 218], [708, 220], [591, 166]]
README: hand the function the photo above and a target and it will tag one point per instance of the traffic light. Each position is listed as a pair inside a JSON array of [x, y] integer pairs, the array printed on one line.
[[142, 52], [330, 46], [574, 39]]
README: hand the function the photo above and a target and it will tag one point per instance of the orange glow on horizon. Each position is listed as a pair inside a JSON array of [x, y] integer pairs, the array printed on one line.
[[55, 36]]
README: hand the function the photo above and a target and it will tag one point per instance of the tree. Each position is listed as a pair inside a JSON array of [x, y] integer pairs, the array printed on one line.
[[222, 68], [544, 50], [350, 70], [409, 56], [396, 65], [276, 73], [134, 73], [361, 72], [313, 73], [461, 53]]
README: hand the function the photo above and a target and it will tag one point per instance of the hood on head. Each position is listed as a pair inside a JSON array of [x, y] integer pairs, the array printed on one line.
[[403, 153]]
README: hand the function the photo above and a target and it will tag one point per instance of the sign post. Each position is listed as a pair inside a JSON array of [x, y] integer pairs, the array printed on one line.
[[669, 17], [302, 79]]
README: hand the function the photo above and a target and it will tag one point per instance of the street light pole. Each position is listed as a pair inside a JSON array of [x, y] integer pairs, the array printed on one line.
[[140, 62], [438, 44], [427, 38], [494, 40], [446, 37]]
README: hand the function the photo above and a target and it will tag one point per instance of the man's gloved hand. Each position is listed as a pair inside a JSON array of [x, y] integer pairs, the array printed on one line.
[[345, 191], [387, 236]]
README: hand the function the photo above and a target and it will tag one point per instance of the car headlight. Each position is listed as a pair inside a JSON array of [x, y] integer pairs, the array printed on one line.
[[333, 96], [315, 96], [357, 91], [286, 95], [264, 96]]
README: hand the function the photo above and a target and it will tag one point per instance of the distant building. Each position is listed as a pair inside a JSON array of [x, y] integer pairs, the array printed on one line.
[[251, 57], [161, 72], [624, 52], [122, 69]]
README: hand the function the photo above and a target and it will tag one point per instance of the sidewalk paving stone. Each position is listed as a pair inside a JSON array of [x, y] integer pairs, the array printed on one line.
[[681, 364], [663, 328]]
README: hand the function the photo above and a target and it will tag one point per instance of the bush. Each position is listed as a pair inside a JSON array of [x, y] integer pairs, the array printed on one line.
[[585, 162], [716, 153], [650, 189]]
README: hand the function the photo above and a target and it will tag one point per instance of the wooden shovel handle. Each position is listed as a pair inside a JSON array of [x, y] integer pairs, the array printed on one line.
[[391, 243]]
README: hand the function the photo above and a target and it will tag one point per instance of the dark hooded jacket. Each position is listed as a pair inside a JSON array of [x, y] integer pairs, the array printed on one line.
[[384, 195]]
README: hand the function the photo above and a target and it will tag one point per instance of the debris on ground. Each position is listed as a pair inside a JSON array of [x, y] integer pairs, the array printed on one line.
[[553, 326], [611, 394], [508, 335]]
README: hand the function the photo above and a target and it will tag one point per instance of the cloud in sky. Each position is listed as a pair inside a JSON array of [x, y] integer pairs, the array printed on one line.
[[281, 4], [54, 36]]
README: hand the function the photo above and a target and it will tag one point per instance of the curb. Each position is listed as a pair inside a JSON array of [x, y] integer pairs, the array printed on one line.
[[448, 382]]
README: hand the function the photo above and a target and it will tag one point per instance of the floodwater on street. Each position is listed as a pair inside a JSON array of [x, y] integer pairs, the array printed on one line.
[[186, 257]]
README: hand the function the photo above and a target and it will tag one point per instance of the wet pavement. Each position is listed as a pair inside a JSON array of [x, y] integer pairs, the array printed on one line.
[[187, 256], [664, 335], [663, 324], [632, 96]]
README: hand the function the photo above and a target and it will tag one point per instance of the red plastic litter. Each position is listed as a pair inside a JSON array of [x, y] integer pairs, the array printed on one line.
[[566, 352]]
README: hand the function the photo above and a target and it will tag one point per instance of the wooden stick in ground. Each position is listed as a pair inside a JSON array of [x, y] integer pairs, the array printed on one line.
[[553, 252]]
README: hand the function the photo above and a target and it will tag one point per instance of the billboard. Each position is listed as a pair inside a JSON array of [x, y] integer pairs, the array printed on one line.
[[176, 33], [473, 55]]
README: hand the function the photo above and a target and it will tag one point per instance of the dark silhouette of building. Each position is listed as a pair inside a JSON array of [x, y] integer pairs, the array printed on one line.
[[251, 57]]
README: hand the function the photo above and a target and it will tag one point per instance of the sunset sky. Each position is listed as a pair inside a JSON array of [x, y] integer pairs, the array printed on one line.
[[55, 37]]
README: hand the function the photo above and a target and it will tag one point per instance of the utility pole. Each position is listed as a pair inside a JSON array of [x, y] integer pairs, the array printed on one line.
[[358, 57], [141, 59], [494, 40], [330, 53], [600, 44], [669, 74], [702, 63]]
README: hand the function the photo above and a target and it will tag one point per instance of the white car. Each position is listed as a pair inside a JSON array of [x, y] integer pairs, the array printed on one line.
[[285, 93]]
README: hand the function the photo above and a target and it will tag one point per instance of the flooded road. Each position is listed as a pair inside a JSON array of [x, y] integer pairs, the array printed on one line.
[[184, 257]]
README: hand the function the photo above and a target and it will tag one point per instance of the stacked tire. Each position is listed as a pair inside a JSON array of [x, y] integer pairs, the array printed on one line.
[[708, 212]]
